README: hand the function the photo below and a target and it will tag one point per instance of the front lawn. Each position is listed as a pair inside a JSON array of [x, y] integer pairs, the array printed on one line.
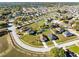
[[46, 32], [74, 49], [32, 40], [63, 39]]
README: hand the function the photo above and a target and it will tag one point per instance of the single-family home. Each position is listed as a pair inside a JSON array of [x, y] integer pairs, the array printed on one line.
[[67, 34], [44, 38], [52, 37], [59, 30]]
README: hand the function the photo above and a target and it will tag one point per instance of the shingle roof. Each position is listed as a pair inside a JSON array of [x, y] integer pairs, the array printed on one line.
[[44, 38], [67, 33], [52, 36]]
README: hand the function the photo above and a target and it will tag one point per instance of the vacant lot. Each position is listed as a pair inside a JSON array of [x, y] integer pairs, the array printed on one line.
[[27, 53], [3, 43], [15, 53]]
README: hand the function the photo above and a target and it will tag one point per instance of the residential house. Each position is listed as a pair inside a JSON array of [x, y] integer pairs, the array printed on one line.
[[67, 34], [59, 30], [52, 37], [44, 38]]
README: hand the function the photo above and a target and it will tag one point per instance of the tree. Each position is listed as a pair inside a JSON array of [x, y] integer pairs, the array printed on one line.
[[62, 53], [76, 26], [57, 52], [54, 52]]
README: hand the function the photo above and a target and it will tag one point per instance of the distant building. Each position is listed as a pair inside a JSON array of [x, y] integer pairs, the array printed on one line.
[[17, 13]]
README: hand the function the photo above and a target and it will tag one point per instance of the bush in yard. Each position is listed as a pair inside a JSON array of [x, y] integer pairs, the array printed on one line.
[[57, 52]]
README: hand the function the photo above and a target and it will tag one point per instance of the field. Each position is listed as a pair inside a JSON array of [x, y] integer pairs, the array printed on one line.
[[27, 53], [3, 43], [63, 39], [15, 53]]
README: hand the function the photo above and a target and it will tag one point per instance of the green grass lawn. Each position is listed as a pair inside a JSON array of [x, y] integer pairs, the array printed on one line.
[[46, 32], [63, 39], [36, 26], [32, 40], [74, 49], [49, 43], [3, 43]]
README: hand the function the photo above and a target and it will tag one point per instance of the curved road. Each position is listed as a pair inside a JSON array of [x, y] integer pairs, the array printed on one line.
[[25, 46]]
